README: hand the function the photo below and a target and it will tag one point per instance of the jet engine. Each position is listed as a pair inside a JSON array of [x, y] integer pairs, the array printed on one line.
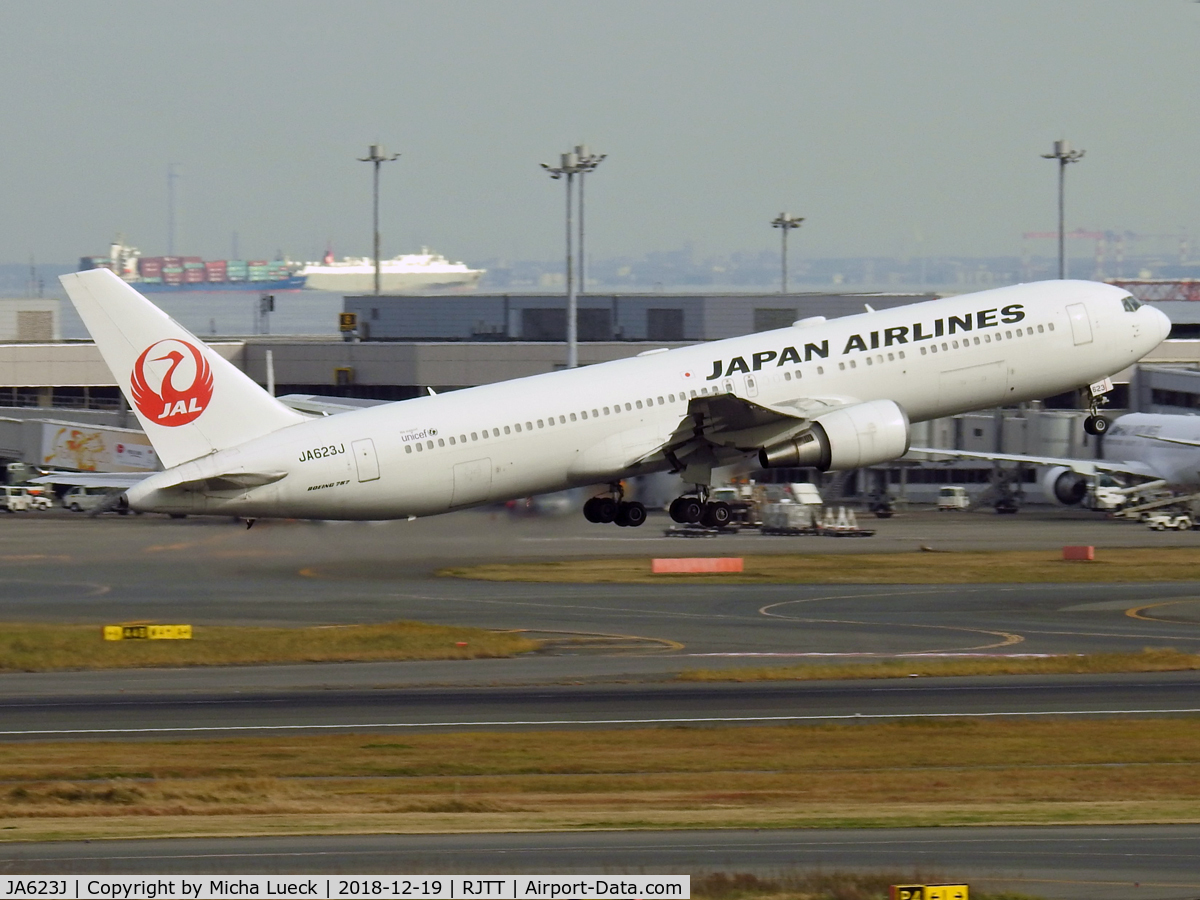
[[1061, 485], [859, 435]]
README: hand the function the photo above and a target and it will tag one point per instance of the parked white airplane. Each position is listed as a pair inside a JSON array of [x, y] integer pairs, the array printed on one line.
[[826, 394], [1148, 449]]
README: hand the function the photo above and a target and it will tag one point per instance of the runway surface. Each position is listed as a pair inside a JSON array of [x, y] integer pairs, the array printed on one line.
[[612, 651], [606, 705], [612, 655], [1078, 863]]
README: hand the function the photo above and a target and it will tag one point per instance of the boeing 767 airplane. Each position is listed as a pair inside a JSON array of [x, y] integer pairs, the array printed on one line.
[[829, 395]]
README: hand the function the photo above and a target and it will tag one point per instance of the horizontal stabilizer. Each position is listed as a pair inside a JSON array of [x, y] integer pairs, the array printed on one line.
[[114, 480]]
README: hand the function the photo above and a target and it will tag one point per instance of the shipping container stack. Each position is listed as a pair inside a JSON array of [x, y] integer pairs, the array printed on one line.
[[236, 270], [172, 271], [150, 268], [193, 270], [215, 270], [259, 270]]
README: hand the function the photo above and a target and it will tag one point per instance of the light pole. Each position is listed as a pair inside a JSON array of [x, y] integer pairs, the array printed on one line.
[[569, 166], [377, 155], [1064, 154], [785, 223], [587, 163]]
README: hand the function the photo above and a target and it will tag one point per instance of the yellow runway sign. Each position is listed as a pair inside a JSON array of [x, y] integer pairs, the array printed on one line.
[[928, 892], [147, 632]]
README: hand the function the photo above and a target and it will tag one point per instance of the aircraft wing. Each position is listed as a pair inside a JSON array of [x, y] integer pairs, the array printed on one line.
[[1170, 440], [114, 480], [727, 422], [1082, 466]]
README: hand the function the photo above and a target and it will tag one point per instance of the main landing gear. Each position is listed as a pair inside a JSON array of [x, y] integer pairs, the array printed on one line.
[[689, 510], [611, 508]]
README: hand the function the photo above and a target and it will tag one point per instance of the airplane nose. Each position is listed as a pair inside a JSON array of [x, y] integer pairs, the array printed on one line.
[[1163, 322]]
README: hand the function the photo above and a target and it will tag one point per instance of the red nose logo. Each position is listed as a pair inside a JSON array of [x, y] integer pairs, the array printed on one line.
[[171, 383]]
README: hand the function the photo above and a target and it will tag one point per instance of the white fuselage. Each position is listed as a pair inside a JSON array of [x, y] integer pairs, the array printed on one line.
[[600, 423], [1150, 438]]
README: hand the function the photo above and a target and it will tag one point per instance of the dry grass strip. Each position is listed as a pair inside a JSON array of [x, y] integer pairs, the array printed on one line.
[[973, 567], [39, 648], [911, 773], [1149, 660]]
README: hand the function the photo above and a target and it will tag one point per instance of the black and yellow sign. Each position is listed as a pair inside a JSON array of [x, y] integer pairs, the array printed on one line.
[[927, 892], [147, 632], [347, 321]]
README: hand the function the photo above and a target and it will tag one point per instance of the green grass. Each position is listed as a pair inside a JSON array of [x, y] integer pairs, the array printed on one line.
[[41, 648], [966, 567]]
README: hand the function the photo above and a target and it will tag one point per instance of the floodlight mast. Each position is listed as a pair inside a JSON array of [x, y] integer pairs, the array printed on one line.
[[1065, 155], [588, 162], [377, 155], [569, 167], [785, 223]]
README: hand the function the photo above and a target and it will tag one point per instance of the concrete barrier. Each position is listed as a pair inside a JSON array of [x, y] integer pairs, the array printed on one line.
[[705, 565], [1084, 553]]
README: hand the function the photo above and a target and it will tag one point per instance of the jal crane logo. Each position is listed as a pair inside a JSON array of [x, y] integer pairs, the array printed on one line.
[[171, 383]]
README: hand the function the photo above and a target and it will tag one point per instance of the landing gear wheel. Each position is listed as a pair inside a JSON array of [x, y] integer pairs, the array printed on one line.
[[675, 510], [630, 515], [716, 515], [589, 510], [605, 509], [1096, 425], [686, 510]]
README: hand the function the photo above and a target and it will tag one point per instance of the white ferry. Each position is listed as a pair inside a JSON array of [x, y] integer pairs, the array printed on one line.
[[402, 274]]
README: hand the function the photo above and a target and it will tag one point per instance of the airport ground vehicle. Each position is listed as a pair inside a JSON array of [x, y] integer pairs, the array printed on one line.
[[953, 496], [14, 499], [84, 499], [1164, 521], [40, 496]]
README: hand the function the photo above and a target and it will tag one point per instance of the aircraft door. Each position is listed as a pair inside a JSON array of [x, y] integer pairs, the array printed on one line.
[[751, 385], [365, 459], [472, 482], [1081, 327]]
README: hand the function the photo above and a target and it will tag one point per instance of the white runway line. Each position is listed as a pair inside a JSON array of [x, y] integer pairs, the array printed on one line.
[[188, 729]]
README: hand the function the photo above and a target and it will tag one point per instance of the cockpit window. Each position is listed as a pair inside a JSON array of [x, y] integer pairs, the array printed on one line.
[[1130, 304]]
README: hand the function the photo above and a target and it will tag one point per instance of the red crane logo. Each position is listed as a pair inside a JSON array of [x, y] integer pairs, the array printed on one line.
[[171, 405]]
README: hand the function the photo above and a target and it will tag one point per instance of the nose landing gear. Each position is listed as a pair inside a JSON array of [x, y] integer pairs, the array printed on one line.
[[1095, 423]]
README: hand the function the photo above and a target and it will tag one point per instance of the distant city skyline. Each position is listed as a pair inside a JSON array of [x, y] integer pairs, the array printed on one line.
[[897, 130]]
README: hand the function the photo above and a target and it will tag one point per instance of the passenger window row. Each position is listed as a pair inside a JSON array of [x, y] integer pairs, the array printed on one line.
[[616, 408], [550, 421], [987, 338]]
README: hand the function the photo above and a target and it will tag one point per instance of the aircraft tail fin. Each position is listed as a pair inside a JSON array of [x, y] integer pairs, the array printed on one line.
[[190, 400]]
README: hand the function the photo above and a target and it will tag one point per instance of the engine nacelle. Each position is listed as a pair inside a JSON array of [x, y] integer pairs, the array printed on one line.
[[1061, 485], [859, 435]]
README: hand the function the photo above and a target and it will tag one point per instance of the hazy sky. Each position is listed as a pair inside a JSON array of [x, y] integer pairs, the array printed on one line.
[[895, 128]]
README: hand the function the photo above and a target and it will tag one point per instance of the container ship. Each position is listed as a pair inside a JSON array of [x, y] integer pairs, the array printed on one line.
[[151, 274], [409, 272]]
